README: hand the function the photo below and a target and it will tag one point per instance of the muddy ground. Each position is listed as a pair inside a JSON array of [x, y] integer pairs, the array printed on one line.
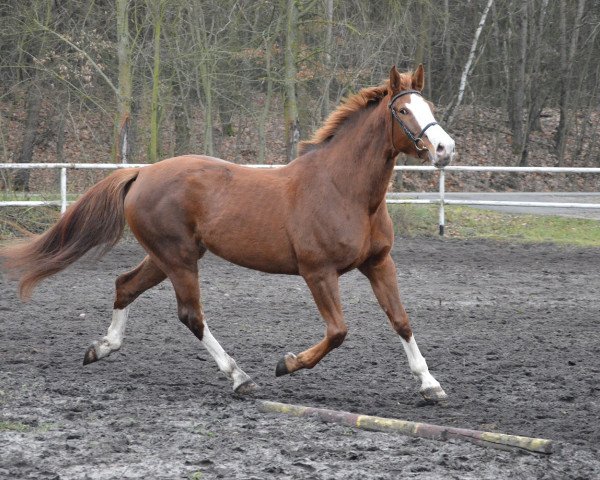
[[510, 331]]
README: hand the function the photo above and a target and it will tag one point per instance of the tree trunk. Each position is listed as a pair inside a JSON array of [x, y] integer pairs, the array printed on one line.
[[182, 131], [592, 102], [327, 59], [268, 42], [498, 73], [34, 103], [204, 90], [423, 42], [290, 107], [60, 132], [536, 96], [181, 119], [518, 92], [264, 114], [226, 108], [447, 45], [123, 137], [206, 81], [566, 59], [449, 116], [153, 152]]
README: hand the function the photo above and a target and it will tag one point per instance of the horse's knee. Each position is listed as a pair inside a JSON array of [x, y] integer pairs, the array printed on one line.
[[191, 319], [336, 335]]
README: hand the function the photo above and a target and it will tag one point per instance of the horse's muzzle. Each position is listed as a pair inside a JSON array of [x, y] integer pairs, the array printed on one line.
[[444, 153]]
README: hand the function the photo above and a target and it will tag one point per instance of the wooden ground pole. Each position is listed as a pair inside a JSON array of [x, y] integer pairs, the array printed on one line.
[[415, 429]]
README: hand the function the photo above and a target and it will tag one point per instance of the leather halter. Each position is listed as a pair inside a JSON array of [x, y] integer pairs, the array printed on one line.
[[418, 139]]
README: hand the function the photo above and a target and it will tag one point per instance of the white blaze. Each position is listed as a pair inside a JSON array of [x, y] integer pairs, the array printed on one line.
[[423, 115]]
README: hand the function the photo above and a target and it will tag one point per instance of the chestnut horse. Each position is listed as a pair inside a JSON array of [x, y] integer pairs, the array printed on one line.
[[320, 216]]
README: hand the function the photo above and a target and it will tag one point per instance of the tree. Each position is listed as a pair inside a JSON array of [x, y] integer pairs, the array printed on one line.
[[215, 76], [449, 115], [567, 58], [36, 43], [156, 8], [269, 38], [327, 48], [518, 85], [290, 109], [123, 137]]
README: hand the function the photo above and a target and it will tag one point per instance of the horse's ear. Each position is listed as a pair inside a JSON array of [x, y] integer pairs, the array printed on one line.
[[394, 80], [418, 78]]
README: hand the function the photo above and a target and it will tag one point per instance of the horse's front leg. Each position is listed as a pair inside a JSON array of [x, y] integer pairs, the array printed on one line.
[[324, 287], [382, 275]]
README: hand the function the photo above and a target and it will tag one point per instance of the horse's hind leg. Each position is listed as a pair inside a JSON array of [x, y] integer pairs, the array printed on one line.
[[189, 310], [382, 275], [128, 287]]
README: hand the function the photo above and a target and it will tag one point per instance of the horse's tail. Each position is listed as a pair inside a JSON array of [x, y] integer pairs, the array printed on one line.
[[96, 219]]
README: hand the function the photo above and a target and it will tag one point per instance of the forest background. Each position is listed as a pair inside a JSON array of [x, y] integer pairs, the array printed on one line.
[[516, 82]]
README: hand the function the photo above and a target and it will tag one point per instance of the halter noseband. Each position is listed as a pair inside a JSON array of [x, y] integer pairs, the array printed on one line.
[[417, 140]]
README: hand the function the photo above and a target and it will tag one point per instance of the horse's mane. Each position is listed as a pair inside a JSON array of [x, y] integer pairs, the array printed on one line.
[[349, 106]]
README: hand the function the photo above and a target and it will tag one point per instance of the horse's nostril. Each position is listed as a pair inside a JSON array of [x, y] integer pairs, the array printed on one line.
[[440, 150]]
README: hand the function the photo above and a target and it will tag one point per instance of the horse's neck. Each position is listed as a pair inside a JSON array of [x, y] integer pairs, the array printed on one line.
[[363, 164]]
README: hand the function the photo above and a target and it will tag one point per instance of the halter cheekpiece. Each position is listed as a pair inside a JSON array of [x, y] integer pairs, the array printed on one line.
[[417, 140]]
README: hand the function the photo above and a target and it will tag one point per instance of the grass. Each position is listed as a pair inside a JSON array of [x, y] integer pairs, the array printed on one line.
[[468, 222]]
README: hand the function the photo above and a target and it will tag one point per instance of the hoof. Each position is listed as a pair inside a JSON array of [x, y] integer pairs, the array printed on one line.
[[90, 355], [247, 388], [282, 368], [434, 394]]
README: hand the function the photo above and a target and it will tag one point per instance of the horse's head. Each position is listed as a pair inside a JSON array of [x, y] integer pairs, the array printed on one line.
[[414, 130]]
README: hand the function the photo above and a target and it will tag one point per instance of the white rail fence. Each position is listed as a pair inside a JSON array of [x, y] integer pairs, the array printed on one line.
[[441, 201]]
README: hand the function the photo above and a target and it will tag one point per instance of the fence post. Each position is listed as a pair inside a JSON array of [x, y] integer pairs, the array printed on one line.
[[442, 193], [63, 190]]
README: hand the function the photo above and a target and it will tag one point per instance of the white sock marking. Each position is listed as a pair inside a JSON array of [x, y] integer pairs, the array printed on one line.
[[114, 337], [225, 363], [418, 365]]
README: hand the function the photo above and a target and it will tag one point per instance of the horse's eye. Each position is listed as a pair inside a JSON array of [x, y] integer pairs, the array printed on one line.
[[403, 111]]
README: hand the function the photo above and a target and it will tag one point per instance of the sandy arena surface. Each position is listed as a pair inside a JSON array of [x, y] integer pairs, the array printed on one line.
[[510, 331]]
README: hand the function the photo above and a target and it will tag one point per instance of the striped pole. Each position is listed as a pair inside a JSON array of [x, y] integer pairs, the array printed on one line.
[[415, 429]]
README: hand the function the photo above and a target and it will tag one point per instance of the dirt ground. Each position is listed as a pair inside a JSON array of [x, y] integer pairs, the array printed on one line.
[[510, 331]]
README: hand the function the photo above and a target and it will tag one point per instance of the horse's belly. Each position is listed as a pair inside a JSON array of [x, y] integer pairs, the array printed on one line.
[[253, 246], [267, 265], [263, 259]]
